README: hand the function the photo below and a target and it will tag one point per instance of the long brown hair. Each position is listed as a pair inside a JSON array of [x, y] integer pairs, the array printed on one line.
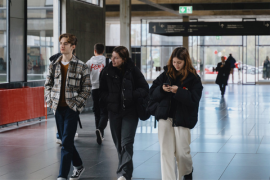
[[182, 54]]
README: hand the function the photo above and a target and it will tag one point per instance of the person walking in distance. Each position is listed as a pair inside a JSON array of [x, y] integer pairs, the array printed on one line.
[[95, 65], [232, 62], [223, 69], [67, 87], [178, 90], [121, 85]]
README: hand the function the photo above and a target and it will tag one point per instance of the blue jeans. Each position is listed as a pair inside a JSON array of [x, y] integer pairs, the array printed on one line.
[[57, 135], [66, 121]]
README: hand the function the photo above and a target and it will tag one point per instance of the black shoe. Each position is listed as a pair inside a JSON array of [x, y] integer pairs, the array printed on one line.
[[188, 176], [77, 173], [99, 136]]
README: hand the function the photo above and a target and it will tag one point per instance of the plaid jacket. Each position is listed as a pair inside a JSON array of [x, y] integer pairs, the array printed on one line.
[[78, 86]]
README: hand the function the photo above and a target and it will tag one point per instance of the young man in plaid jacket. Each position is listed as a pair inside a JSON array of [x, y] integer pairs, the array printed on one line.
[[67, 87]]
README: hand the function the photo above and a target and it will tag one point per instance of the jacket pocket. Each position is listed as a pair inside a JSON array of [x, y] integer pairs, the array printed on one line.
[[74, 80]]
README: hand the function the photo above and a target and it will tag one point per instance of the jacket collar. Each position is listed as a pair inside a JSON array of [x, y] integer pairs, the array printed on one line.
[[129, 65], [73, 59]]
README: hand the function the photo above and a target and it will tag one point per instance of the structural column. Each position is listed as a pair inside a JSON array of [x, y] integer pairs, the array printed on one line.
[[185, 38], [125, 24]]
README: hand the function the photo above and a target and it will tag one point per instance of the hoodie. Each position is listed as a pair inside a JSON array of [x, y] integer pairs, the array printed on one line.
[[95, 65]]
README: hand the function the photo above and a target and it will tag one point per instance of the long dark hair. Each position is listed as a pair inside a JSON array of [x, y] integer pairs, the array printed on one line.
[[182, 54], [123, 52]]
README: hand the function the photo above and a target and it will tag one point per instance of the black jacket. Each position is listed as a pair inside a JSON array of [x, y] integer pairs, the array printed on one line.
[[186, 114], [232, 61], [223, 73], [122, 92]]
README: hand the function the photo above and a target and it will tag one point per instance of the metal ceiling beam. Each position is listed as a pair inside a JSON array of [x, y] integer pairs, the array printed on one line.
[[161, 7]]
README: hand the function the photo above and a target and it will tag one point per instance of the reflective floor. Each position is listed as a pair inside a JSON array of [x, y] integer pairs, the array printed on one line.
[[230, 142]]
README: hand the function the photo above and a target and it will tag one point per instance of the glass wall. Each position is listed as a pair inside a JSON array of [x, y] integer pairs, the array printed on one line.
[[250, 52], [113, 33], [156, 51], [263, 48], [39, 38], [3, 42]]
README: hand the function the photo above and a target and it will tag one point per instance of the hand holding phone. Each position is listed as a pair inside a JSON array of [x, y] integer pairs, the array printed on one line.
[[166, 87], [166, 84]]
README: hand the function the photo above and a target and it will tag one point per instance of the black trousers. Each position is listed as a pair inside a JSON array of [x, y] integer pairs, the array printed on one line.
[[101, 114], [222, 88], [123, 128]]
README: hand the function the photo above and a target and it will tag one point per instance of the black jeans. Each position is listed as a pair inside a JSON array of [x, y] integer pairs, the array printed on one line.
[[123, 128], [101, 114], [66, 121], [222, 88]]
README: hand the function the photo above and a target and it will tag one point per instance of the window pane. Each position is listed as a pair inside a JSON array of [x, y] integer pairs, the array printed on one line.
[[112, 34], [135, 34], [96, 2], [3, 45], [221, 40], [39, 38]]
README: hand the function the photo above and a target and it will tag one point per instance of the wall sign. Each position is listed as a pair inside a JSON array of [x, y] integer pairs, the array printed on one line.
[[210, 28]]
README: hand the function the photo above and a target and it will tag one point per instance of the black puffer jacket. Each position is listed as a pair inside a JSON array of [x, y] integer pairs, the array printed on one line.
[[186, 114], [122, 92], [223, 73]]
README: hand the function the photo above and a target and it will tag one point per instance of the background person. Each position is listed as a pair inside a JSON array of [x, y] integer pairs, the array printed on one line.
[[121, 84], [232, 62], [95, 65], [266, 68], [223, 69], [178, 90]]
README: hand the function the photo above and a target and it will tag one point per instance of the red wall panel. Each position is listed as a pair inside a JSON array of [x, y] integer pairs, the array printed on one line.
[[21, 104]]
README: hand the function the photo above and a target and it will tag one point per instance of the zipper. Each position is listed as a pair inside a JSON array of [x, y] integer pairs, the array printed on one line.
[[123, 96], [170, 98]]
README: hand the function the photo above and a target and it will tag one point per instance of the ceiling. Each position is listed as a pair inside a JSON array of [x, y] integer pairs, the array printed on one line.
[[202, 9]]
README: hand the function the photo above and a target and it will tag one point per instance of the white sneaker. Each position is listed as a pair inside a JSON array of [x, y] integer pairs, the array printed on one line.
[[122, 178], [61, 178], [58, 141]]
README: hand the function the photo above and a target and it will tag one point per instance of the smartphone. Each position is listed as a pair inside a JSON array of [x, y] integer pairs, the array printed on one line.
[[166, 84]]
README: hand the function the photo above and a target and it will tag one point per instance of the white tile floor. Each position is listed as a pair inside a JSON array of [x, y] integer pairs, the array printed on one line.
[[230, 142]]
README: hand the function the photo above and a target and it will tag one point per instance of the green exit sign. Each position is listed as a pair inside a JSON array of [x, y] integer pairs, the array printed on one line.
[[185, 9], [218, 37]]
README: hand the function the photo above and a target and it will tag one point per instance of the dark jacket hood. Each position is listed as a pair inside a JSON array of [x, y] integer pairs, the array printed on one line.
[[55, 57]]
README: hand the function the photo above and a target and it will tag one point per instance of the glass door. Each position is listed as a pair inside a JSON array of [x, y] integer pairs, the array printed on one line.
[[249, 69]]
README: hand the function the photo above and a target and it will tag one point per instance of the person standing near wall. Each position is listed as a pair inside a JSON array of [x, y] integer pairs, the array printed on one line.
[[223, 69], [178, 90], [67, 87], [121, 84], [95, 65]]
